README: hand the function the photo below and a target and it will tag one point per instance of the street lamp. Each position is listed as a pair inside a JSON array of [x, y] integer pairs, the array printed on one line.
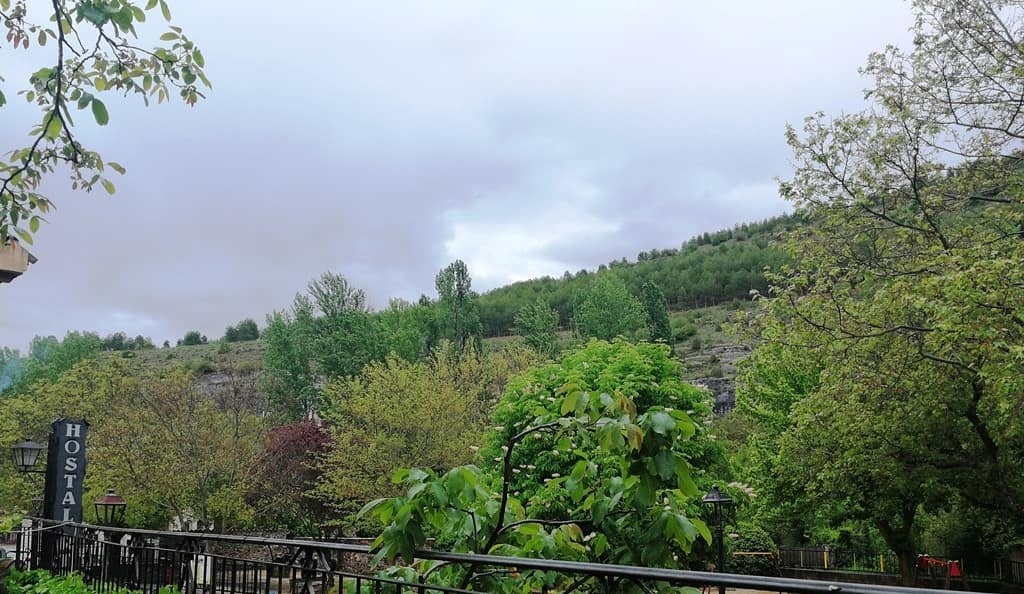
[[110, 509], [718, 500], [110, 514], [25, 455]]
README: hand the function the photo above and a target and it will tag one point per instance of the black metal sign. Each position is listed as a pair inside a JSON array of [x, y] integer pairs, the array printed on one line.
[[65, 471]]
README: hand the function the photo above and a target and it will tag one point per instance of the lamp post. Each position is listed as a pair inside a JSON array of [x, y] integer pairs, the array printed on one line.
[[718, 500], [110, 509]]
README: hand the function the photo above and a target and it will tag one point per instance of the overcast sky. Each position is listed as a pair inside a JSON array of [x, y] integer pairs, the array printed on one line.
[[382, 140]]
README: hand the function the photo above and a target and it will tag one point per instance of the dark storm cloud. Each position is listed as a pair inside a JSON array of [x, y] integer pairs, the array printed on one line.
[[382, 140]]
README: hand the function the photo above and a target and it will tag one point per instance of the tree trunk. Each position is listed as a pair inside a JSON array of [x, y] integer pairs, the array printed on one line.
[[901, 540], [908, 567]]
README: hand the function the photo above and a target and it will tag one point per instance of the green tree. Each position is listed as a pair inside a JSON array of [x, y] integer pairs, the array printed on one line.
[[329, 333], [289, 377], [406, 329], [50, 358], [244, 330], [192, 338], [10, 367], [82, 391], [607, 309], [392, 415], [657, 312], [537, 323], [197, 449], [94, 53], [625, 497], [905, 284], [458, 313]]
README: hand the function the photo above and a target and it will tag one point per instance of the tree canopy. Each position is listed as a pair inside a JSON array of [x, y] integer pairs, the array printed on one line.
[[905, 283], [624, 483]]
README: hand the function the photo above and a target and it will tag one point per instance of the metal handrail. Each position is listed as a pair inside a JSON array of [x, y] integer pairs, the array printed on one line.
[[635, 573]]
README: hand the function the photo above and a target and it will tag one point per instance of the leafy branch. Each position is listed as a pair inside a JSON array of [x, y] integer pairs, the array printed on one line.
[[83, 71]]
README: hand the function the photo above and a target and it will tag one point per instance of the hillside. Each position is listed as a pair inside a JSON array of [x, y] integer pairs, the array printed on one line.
[[705, 282], [709, 269], [205, 358]]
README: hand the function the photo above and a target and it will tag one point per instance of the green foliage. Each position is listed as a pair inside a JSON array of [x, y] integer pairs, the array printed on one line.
[[624, 498], [606, 309], [408, 330], [645, 372], [458, 315], [48, 359], [394, 414], [905, 286], [81, 392], [682, 329], [653, 300], [9, 522], [330, 333], [119, 341], [191, 338], [244, 330], [197, 447], [39, 581], [726, 265], [751, 538], [398, 413], [537, 323], [92, 55], [289, 377]]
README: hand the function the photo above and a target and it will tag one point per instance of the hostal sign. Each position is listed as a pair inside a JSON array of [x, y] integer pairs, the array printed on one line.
[[65, 471]]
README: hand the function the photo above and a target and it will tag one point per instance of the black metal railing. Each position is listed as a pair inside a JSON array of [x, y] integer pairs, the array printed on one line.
[[197, 563]]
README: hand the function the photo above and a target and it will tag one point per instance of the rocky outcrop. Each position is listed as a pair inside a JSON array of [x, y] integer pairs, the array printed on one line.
[[714, 368]]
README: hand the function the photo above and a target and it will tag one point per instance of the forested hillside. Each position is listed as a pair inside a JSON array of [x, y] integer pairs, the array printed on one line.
[[706, 270], [331, 356]]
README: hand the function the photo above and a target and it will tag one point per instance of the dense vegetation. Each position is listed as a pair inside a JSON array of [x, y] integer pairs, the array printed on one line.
[[38, 581], [708, 269], [880, 407]]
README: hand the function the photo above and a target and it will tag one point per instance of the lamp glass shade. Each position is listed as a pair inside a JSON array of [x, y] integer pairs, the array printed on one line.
[[110, 509], [26, 454]]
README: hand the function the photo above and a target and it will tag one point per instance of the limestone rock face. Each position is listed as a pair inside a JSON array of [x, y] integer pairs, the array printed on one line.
[[714, 368]]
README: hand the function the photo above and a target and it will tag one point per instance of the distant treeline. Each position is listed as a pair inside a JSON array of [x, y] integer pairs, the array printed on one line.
[[708, 269]]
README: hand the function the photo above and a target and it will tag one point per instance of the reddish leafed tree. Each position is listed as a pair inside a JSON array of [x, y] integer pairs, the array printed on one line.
[[283, 477]]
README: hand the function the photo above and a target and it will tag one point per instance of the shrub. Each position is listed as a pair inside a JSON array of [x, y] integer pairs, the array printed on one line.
[[40, 581], [752, 539], [192, 338], [682, 329]]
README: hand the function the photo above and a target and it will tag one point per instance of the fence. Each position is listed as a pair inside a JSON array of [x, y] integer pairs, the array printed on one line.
[[1011, 572], [218, 564], [818, 558], [1003, 570]]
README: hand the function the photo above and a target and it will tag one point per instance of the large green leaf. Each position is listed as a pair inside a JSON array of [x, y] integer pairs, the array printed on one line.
[[99, 111]]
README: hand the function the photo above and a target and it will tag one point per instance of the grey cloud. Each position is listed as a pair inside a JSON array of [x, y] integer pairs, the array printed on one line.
[[382, 140]]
